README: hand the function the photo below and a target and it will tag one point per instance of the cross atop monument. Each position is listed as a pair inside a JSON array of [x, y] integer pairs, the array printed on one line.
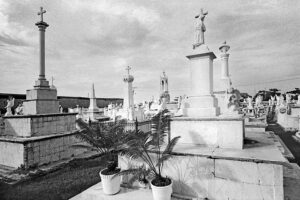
[[128, 68], [200, 29], [41, 13]]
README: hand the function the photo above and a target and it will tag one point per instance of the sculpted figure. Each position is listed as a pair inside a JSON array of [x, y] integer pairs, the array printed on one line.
[[200, 29], [10, 104]]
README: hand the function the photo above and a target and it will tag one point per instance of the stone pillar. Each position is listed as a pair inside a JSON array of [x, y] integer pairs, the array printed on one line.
[[42, 82], [225, 79], [201, 101], [128, 104]]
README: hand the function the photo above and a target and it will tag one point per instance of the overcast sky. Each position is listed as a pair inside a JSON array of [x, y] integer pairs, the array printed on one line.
[[93, 41]]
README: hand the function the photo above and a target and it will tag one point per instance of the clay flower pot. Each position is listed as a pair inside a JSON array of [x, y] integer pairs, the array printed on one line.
[[110, 185], [162, 193]]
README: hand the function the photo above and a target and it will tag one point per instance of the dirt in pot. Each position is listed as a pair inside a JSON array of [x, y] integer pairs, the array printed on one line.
[[161, 182], [111, 169]]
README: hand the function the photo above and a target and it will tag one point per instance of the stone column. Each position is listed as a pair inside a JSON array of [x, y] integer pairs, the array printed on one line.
[[42, 82], [225, 79], [128, 104], [201, 101]]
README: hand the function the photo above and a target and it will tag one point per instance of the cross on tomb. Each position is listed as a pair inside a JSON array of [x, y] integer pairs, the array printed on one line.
[[52, 79], [41, 13], [128, 69]]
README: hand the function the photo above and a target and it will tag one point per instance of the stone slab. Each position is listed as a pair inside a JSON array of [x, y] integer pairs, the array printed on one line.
[[216, 132]]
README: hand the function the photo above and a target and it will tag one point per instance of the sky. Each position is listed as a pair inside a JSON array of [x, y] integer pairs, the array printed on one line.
[[92, 41]]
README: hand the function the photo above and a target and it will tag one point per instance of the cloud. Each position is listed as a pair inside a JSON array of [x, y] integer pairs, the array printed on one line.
[[94, 40]]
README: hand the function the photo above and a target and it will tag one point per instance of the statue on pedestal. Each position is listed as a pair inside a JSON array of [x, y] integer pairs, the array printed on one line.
[[10, 104], [250, 103], [200, 29]]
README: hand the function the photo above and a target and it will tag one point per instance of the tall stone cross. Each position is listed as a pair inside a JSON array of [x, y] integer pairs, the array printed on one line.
[[41, 13], [128, 69], [200, 29]]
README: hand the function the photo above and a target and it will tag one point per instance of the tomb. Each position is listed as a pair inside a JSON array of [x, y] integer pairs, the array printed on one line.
[[41, 135]]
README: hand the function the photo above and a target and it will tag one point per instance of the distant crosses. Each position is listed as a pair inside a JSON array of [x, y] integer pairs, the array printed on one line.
[[128, 68], [41, 13]]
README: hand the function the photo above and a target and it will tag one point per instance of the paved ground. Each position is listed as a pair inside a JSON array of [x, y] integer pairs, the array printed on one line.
[[289, 141]]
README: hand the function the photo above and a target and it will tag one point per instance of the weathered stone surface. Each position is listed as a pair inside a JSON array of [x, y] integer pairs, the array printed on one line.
[[37, 150], [39, 125], [216, 132]]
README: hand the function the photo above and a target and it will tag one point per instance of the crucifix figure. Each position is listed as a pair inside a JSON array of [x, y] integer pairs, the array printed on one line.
[[200, 29], [128, 69], [41, 13]]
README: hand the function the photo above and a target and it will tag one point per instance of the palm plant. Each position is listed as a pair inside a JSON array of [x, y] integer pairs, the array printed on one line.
[[106, 138], [143, 145]]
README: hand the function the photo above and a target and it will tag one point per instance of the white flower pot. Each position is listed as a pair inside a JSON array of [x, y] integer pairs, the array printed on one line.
[[110, 185], [162, 193]]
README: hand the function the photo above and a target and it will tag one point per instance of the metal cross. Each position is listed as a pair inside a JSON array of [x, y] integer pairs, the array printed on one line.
[[41, 13], [128, 69]]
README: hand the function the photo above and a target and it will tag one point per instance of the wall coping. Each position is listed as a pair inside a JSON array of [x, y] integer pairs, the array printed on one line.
[[39, 115], [24, 140]]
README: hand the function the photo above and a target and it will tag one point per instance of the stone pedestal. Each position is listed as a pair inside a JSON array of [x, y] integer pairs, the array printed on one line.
[[212, 132], [41, 101], [201, 102]]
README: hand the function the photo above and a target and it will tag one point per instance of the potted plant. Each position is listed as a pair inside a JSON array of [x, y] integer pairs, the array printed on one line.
[[152, 150], [107, 139]]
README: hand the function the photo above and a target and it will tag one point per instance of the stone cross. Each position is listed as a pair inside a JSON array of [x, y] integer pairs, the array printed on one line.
[[52, 79], [41, 13], [128, 69], [200, 29]]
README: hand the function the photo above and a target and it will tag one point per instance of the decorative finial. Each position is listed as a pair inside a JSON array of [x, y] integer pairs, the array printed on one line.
[[200, 29], [41, 13], [224, 47]]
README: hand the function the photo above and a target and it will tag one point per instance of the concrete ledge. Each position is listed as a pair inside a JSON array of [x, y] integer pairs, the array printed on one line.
[[21, 140], [39, 115]]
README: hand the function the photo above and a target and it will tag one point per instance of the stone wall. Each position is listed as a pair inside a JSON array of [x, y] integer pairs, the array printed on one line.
[[34, 152], [50, 150], [39, 125], [199, 177], [12, 154]]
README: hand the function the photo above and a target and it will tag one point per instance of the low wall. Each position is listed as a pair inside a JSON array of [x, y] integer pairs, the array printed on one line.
[[199, 177], [217, 132], [37, 151], [39, 125]]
